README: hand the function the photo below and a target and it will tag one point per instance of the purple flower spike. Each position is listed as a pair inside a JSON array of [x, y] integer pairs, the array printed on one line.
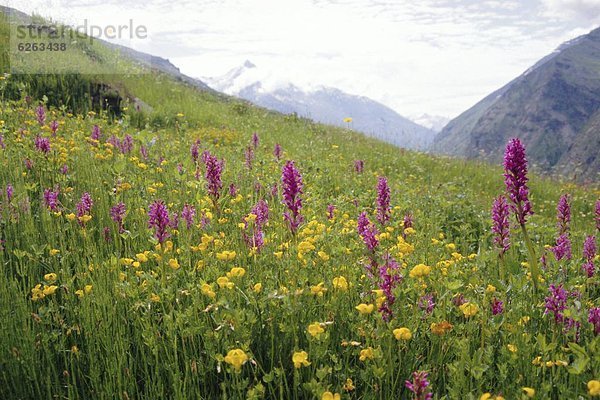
[[515, 179], [96, 133], [367, 232], [330, 211], [40, 114], [389, 278], [594, 319], [500, 224], [291, 183], [51, 199], [54, 127], [214, 170], [383, 201], [84, 206], [249, 156], [497, 306], [563, 214], [556, 302], [158, 219], [195, 150], [188, 213], [359, 166], [9, 192], [426, 303], [117, 214], [589, 253], [277, 151], [255, 140], [562, 248], [42, 144], [419, 386]]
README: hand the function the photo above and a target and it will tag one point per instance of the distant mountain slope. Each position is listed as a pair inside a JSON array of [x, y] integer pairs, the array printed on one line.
[[554, 107], [326, 105]]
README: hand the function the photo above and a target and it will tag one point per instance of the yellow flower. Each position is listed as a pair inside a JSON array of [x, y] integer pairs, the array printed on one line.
[[410, 231], [54, 252], [154, 298], [236, 358], [318, 290], [593, 387], [85, 218], [51, 277], [348, 120], [315, 329], [349, 385], [330, 396], [226, 255], [469, 309], [524, 320], [323, 255], [340, 283], [142, 257], [512, 348], [174, 264], [126, 261], [87, 289], [71, 217], [365, 309], [419, 271], [402, 334], [529, 392], [206, 290], [366, 354], [440, 328], [489, 396], [257, 287], [236, 272], [48, 290], [79, 293], [300, 358], [224, 282]]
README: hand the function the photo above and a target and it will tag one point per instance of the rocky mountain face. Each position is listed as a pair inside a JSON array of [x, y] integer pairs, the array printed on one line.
[[326, 105], [554, 107]]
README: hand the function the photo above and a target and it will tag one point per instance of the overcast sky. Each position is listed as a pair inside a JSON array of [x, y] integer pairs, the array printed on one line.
[[422, 56]]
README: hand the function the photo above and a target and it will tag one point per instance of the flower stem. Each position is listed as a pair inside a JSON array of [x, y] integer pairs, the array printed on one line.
[[533, 265]]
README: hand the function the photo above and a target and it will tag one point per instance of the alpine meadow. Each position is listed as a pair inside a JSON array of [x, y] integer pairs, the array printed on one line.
[[184, 244]]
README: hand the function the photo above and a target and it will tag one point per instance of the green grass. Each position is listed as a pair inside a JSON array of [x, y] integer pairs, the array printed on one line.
[[149, 331]]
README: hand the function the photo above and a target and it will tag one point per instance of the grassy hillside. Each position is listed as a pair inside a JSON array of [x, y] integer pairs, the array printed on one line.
[[96, 304]]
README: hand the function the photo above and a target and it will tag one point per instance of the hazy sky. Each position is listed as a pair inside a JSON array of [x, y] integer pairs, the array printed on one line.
[[422, 56]]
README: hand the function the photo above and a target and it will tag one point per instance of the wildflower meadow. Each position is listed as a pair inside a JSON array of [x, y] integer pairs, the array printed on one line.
[[266, 257]]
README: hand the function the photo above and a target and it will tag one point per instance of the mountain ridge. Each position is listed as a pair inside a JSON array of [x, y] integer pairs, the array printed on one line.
[[552, 106], [323, 104]]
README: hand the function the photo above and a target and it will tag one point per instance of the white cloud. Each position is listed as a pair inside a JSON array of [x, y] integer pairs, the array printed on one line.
[[430, 56], [587, 10]]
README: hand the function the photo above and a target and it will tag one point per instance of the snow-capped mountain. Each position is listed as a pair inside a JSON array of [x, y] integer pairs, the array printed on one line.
[[434, 122], [322, 104]]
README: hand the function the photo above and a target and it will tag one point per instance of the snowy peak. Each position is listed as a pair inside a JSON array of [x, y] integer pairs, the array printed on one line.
[[434, 122], [323, 104]]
